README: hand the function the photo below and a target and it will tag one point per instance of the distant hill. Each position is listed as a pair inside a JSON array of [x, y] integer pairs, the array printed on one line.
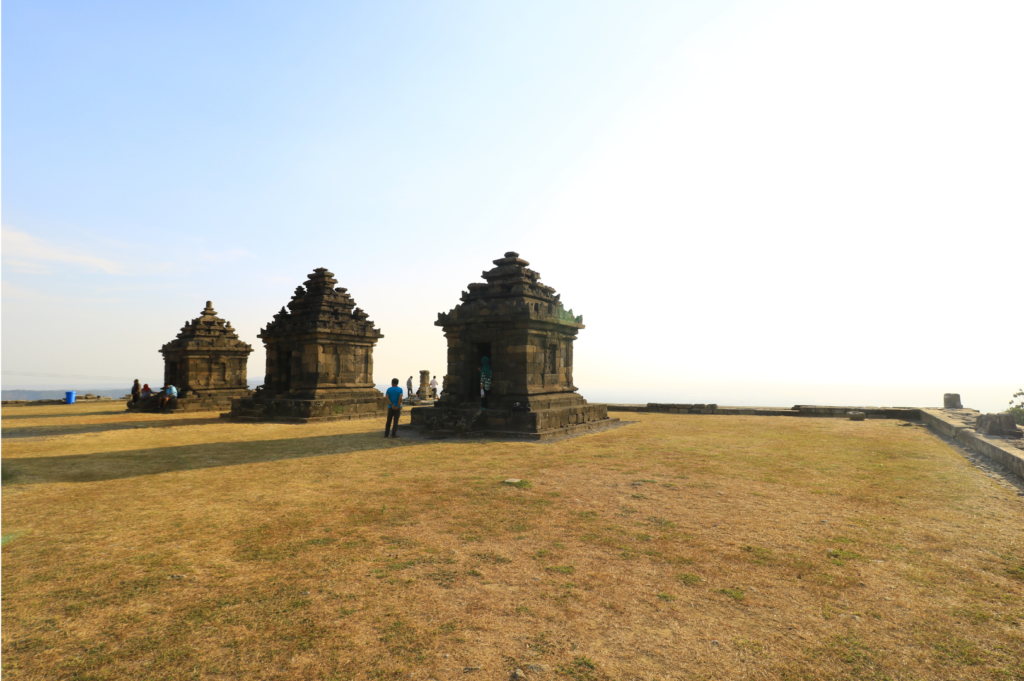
[[55, 394], [102, 392]]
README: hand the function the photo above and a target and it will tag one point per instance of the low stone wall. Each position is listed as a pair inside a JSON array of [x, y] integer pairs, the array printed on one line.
[[656, 408], [958, 424], [904, 413]]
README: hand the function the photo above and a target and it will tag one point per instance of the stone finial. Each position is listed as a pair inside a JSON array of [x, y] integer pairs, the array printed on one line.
[[209, 311], [511, 258]]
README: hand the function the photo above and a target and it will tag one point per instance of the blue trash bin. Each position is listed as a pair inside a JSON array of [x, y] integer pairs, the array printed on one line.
[[70, 397]]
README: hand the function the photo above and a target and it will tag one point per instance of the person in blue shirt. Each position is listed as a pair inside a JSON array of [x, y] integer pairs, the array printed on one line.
[[169, 392], [394, 398]]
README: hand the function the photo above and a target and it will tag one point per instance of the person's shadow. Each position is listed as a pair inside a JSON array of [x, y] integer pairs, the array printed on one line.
[[132, 463], [8, 416]]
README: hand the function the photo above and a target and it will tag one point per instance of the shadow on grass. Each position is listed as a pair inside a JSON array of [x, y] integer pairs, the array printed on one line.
[[78, 428], [133, 463], [64, 415]]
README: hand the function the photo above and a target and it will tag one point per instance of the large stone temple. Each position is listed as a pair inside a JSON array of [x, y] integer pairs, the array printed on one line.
[[521, 326], [207, 365], [319, 359]]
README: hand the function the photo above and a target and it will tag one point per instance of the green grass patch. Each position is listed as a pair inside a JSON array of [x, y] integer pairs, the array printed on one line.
[[840, 556], [734, 593], [581, 669], [8, 538], [758, 554]]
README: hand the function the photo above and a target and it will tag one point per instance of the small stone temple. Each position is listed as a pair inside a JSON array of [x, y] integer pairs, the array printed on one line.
[[319, 359], [527, 334], [206, 363]]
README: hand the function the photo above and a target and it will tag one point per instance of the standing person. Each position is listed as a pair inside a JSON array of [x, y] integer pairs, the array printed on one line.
[[394, 398], [433, 387], [408, 388], [169, 392], [485, 380], [136, 391]]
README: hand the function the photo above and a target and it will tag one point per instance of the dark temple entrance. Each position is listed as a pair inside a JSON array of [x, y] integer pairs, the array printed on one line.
[[481, 350]]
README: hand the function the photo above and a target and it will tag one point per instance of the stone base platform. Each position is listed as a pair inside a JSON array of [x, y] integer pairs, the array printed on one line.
[[187, 404], [291, 410], [504, 423]]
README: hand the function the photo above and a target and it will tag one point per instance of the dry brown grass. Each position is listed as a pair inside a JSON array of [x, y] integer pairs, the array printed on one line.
[[676, 547]]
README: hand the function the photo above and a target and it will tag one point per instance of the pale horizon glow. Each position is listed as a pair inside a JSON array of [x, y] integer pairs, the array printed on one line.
[[750, 203]]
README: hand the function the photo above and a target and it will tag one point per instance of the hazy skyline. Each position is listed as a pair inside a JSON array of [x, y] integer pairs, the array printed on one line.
[[748, 202]]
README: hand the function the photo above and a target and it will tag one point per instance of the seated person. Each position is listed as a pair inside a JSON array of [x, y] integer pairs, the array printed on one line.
[[146, 392], [169, 392]]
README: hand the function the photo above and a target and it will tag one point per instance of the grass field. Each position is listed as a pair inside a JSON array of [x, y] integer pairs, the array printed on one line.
[[166, 547]]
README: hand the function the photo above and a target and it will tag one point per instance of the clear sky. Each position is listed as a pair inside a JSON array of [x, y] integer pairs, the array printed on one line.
[[750, 202]]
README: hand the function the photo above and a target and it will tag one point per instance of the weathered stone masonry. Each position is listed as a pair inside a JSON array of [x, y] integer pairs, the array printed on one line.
[[521, 325], [319, 358], [207, 363]]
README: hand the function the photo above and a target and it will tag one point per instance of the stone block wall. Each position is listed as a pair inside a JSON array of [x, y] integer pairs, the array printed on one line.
[[207, 359], [321, 346]]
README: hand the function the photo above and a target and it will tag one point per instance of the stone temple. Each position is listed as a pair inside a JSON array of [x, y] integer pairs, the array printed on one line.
[[206, 363], [319, 359], [522, 327]]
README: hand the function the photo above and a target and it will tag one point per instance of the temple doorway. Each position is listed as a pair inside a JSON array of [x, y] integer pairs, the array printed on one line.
[[481, 350]]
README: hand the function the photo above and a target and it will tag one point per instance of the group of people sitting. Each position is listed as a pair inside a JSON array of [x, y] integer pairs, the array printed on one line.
[[143, 392]]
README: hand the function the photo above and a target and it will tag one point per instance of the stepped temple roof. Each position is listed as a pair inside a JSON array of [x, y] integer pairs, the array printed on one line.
[[512, 292], [207, 332], [319, 307]]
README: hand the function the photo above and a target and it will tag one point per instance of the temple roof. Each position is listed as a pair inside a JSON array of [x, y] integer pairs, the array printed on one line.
[[318, 306], [512, 290], [207, 330]]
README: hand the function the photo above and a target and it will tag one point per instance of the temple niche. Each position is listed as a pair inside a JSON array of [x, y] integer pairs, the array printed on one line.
[[319, 359], [522, 327], [206, 363]]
